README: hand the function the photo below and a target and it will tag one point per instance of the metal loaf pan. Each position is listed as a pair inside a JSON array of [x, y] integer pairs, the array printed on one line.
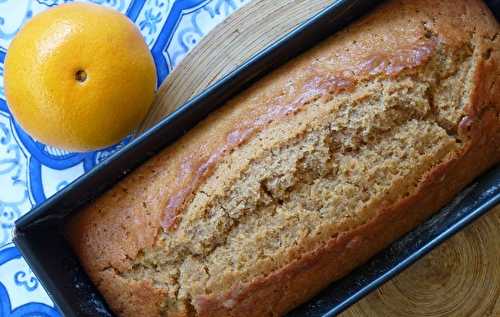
[[39, 233]]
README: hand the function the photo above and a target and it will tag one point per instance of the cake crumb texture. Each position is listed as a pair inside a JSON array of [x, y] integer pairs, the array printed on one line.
[[306, 174]]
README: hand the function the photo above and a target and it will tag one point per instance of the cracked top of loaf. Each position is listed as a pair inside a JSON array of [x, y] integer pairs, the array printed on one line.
[[361, 124]]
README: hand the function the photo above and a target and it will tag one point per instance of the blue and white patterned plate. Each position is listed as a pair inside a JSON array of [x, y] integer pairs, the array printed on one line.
[[31, 171]]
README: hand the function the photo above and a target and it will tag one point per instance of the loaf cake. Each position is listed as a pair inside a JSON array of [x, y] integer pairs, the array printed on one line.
[[306, 174]]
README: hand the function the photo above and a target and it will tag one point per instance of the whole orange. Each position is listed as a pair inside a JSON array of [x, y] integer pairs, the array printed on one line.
[[79, 77]]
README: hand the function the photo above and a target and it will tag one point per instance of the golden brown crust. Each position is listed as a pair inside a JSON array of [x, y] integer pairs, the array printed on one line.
[[114, 230], [130, 298], [283, 290]]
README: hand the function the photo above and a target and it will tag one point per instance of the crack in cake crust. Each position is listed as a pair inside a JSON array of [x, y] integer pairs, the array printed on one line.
[[404, 102], [306, 197]]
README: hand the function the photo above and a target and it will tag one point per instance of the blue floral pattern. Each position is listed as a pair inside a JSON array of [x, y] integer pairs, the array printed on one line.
[[27, 280], [152, 18], [20, 291], [13, 165], [31, 171]]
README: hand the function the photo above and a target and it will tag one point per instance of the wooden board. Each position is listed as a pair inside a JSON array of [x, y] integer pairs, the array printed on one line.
[[460, 278]]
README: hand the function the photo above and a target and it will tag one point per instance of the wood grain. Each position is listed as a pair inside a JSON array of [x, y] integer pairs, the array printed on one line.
[[228, 45], [459, 278]]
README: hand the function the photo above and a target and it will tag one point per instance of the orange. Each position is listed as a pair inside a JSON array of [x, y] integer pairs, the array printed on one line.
[[79, 77]]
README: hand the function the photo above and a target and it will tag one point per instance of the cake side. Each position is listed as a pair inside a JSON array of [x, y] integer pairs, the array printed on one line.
[[396, 118]]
